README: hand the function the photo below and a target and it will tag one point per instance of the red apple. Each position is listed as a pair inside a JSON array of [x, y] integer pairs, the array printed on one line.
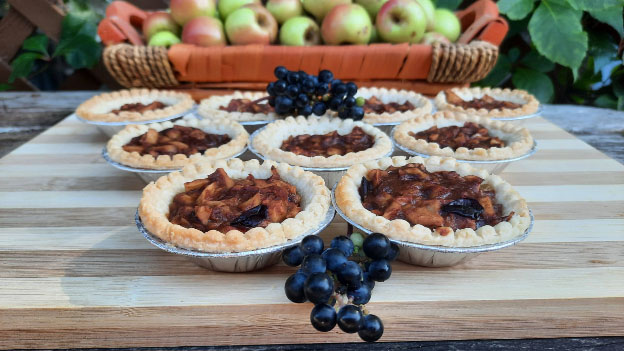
[[283, 10], [159, 22], [204, 31], [183, 11], [251, 24], [347, 24]]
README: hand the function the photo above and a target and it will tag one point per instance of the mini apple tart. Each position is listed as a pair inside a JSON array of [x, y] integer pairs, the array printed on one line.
[[234, 206], [464, 137], [135, 105], [434, 201], [168, 145], [321, 142], [390, 105], [488, 102], [240, 106]]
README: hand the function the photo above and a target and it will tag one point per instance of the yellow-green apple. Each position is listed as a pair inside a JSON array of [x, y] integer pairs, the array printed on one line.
[[447, 24], [163, 38], [432, 37], [347, 24], [159, 22], [429, 8], [401, 21], [251, 24], [320, 8], [226, 7], [300, 31], [372, 6], [374, 36], [204, 31], [183, 11], [283, 10]]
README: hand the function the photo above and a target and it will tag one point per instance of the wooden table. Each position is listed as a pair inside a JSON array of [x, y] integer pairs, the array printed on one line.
[[74, 271]]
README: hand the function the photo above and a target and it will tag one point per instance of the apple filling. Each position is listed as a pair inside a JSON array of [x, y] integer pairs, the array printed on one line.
[[221, 203], [329, 144], [471, 136], [437, 200], [139, 107], [176, 140], [486, 102], [246, 105], [374, 105]]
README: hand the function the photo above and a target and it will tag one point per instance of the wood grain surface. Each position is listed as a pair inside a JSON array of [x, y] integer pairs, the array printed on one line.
[[75, 272]]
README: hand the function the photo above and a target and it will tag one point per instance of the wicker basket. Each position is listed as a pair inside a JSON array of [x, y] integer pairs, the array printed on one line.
[[425, 68]]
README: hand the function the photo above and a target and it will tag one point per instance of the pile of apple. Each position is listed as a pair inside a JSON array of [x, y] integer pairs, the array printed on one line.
[[300, 22]]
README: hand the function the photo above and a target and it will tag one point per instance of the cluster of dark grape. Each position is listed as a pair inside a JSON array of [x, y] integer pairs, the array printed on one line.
[[299, 93], [339, 280]]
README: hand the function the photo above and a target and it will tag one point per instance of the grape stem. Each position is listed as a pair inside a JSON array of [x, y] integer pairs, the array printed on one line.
[[343, 300], [257, 101]]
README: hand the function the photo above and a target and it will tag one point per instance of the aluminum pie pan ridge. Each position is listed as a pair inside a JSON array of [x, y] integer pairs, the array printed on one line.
[[537, 113], [244, 261], [118, 165], [311, 169], [414, 153], [125, 123], [436, 256]]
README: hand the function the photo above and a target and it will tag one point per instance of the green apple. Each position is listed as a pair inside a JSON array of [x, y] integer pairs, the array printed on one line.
[[431, 38], [159, 22], [251, 24], [401, 21], [347, 24], [447, 24], [429, 8], [226, 7], [374, 36], [163, 38], [204, 31], [372, 6], [283, 10], [300, 31], [320, 8]]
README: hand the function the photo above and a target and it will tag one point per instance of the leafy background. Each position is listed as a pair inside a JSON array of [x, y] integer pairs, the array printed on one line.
[[562, 51]]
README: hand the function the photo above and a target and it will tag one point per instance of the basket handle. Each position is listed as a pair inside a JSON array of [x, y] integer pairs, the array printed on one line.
[[481, 21], [119, 24]]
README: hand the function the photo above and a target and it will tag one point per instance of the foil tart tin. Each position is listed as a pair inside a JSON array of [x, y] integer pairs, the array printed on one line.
[[521, 120], [436, 256], [386, 127], [331, 175], [112, 128], [494, 166], [245, 261], [148, 175]]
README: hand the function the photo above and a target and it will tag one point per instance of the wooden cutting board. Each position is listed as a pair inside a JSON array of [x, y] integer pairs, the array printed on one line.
[[75, 272]]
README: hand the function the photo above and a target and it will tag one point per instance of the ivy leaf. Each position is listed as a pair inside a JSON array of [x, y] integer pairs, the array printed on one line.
[[37, 43], [602, 49], [448, 4], [513, 54], [537, 62], [536, 83], [516, 9], [77, 44], [606, 101], [88, 54], [557, 33], [499, 73], [620, 104], [23, 65], [590, 5], [5, 86], [611, 16]]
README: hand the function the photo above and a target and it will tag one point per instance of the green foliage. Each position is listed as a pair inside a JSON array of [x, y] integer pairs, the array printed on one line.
[[449, 4], [78, 44], [563, 51]]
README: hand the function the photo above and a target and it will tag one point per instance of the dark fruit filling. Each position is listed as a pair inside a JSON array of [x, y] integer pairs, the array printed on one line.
[[471, 135], [374, 105], [486, 102], [176, 140], [221, 203], [432, 199], [246, 105], [328, 144], [140, 108]]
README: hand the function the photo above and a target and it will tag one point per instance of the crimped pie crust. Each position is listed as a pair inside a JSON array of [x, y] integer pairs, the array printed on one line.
[[518, 140], [269, 140], [349, 201], [209, 108], [98, 107], [237, 133], [154, 207], [422, 104], [528, 101]]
